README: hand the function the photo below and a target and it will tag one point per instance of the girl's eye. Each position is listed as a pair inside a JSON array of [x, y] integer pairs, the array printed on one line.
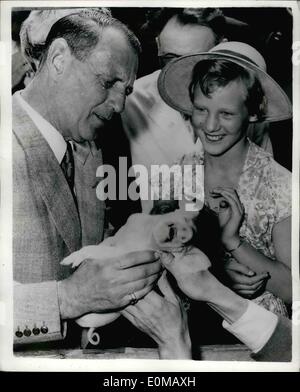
[[200, 110]]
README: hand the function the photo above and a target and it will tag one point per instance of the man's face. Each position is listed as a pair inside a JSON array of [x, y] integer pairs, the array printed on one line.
[[221, 120], [94, 89], [177, 40]]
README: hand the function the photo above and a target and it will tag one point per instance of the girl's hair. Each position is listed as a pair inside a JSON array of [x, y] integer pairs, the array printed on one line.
[[215, 73]]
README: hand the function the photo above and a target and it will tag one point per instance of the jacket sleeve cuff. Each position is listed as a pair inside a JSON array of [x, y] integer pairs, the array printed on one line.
[[36, 313], [254, 328], [279, 346]]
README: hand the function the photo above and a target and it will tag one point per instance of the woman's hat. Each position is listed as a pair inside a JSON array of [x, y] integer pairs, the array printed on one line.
[[176, 77]]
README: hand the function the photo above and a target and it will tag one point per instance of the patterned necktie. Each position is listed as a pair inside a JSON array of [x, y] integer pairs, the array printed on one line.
[[67, 166]]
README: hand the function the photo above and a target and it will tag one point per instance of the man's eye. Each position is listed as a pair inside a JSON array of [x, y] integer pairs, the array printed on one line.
[[108, 84], [226, 114]]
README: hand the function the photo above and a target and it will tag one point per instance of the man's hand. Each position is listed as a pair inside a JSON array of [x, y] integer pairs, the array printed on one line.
[[164, 319], [106, 285], [245, 282]]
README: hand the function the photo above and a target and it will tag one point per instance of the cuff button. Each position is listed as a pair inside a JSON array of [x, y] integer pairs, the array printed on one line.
[[44, 329], [27, 332], [19, 334], [36, 331]]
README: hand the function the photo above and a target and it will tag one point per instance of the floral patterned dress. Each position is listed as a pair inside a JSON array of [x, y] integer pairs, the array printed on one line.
[[265, 190]]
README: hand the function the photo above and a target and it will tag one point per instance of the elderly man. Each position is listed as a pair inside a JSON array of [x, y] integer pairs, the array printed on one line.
[[159, 134], [87, 68]]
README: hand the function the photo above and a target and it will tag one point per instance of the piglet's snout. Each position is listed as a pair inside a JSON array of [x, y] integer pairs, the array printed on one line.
[[184, 233]]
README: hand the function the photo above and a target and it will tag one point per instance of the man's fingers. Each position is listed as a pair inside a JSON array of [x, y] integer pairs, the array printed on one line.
[[152, 300], [140, 284], [131, 314], [138, 257], [166, 289], [138, 295], [139, 272], [166, 259]]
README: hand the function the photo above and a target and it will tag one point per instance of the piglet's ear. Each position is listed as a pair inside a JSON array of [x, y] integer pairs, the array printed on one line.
[[191, 205], [188, 214]]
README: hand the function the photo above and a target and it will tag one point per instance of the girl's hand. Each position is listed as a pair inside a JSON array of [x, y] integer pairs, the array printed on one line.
[[230, 216], [245, 282]]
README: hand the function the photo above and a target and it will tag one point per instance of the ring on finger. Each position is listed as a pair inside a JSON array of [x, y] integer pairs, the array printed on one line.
[[133, 299]]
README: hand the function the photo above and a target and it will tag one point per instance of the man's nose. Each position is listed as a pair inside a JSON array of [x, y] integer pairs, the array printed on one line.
[[118, 102], [212, 122]]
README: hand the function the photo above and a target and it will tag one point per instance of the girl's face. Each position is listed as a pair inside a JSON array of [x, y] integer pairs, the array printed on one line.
[[221, 121]]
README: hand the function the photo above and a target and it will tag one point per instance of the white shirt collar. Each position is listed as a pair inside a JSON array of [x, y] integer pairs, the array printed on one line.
[[55, 140]]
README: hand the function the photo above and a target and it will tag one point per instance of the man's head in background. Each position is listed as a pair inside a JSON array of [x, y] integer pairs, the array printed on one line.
[[181, 31], [86, 69]]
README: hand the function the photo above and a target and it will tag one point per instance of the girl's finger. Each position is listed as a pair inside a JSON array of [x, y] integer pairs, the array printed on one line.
[[238, 278], [246, 293], [233, 265], [254, 286], [229, 198], [232, 194]]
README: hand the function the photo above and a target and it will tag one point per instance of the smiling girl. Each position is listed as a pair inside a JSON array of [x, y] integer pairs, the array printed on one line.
[[224, 90]]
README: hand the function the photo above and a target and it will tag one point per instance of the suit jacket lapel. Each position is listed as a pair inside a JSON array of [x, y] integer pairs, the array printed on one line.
[[48, 178]]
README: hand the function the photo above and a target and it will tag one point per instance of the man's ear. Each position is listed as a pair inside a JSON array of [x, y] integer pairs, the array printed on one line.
[[158, 45], [59, 55]]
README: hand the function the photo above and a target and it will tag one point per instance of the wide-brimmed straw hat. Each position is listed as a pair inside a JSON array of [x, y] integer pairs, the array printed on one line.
[[176, 77]]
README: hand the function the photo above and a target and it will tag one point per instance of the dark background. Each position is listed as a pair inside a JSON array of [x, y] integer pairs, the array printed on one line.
[[268, 29]]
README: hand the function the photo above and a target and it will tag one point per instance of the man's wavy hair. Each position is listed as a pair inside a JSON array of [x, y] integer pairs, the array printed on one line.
[[211, 74], [209, 17], [81, 30]]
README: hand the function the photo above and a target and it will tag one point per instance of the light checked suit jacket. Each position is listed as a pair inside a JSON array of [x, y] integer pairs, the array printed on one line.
[[47, 225]]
